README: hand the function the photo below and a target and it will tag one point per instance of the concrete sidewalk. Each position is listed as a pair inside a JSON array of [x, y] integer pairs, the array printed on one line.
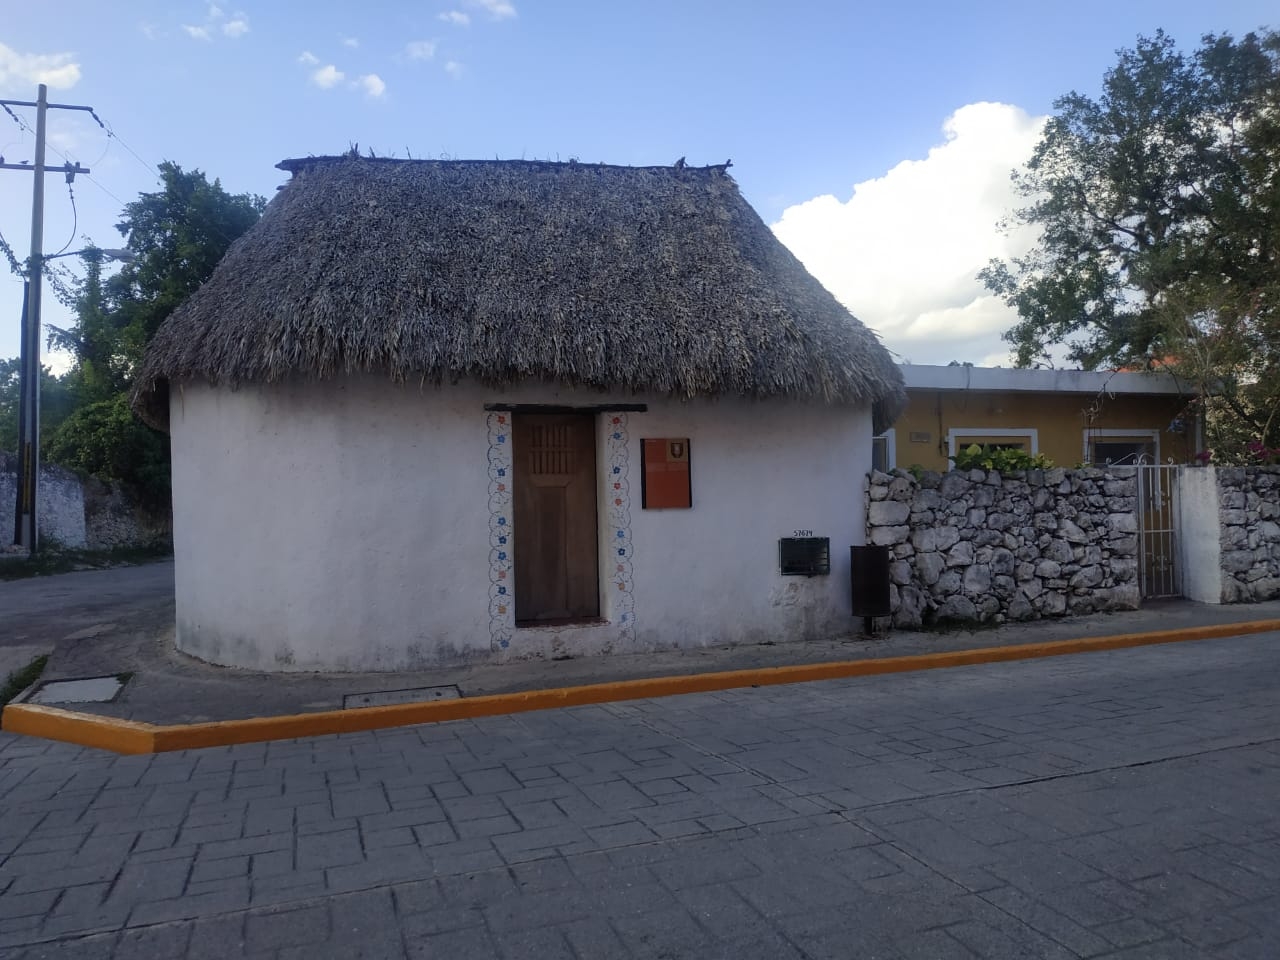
[[167, 687]]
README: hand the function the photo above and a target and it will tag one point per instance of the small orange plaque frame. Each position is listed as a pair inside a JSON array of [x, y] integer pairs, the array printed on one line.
[[666, 483]]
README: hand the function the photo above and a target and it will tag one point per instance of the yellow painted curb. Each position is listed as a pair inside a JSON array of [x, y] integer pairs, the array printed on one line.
[[128, 736], [86, 729]]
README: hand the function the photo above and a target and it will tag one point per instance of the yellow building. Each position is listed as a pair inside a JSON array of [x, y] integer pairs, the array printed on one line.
[[1071, 416]]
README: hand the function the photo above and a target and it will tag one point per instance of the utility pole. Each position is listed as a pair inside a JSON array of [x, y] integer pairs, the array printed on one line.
[[25, 525]]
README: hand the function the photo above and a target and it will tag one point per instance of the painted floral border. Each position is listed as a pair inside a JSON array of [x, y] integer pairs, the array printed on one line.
[[621, 605]]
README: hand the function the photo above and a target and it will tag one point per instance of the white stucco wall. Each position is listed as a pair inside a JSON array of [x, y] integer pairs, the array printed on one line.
[[347, 525], [1199, 533], [59, 504]]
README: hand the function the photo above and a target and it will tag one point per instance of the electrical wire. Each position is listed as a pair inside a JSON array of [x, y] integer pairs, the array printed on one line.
[[16, 119], [112, 135], [75, 216], [103, 189], [27, 127]]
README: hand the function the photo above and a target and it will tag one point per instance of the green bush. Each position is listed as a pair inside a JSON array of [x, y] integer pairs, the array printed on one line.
[[107, 441], [1000, 459]]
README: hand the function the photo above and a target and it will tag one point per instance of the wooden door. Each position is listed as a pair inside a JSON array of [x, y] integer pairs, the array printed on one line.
[[555, 542]]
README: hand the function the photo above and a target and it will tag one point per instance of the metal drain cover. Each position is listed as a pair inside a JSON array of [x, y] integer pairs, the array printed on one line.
[[88, 690], [387, 698]]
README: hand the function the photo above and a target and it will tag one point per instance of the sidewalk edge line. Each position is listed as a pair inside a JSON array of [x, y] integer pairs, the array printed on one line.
[[131, 737]]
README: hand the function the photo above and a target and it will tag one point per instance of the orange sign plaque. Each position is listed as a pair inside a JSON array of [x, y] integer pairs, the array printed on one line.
[[666, 483]]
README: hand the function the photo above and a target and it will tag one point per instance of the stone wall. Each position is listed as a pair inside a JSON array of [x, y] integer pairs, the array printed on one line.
[[75, 513], [1249, 515], [971, 545], [60, 508]]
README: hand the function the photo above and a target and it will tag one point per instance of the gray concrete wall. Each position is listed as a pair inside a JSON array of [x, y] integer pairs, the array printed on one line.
[[1199, 535]]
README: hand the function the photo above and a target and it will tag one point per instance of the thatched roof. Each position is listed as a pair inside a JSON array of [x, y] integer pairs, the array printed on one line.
[[649, 279]]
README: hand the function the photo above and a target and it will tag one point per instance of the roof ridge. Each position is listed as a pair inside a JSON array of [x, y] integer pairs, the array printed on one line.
[[294, 164]]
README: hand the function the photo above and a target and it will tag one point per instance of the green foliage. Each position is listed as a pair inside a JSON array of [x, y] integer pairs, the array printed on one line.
[[106, 440], [176, 235], [1159, 245], [57, 400], [1000, 459], [19, 680]]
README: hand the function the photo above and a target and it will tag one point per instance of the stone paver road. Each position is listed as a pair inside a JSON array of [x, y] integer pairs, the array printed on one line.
[[1120, 805]]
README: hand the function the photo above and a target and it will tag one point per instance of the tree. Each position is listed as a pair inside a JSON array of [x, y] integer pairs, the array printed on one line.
[[176, 235], [101, 369], [1159, 247], [56, 402], [106, 440]]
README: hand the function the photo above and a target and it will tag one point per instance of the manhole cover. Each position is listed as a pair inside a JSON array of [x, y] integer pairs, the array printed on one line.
[[88, 690], [386, 698]]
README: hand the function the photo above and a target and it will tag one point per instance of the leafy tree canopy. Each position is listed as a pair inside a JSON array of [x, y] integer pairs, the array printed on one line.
[[56, 402], [176, 236], [1158, 204]]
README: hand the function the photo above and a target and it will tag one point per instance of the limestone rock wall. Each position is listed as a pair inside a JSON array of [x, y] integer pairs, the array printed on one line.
[[78, 513], [978, 546], [1249, 515]]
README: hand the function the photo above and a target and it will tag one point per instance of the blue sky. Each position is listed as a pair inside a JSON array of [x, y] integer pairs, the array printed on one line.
[[877, 138]]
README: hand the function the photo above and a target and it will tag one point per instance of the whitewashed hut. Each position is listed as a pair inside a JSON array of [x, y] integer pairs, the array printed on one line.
[[430, 412]]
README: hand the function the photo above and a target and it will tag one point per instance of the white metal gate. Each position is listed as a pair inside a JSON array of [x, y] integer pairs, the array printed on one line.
[[1159, 574]]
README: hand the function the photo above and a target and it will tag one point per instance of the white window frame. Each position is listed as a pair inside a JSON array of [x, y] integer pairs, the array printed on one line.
[[1121, 434], [890, 438], [1027, 433]]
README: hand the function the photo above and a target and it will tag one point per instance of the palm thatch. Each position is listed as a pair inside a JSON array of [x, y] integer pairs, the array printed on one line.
[[650, 279]]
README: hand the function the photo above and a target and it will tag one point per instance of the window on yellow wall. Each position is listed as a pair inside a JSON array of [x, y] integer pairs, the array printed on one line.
[[1004, 438], [1121, 447], [884, 454]]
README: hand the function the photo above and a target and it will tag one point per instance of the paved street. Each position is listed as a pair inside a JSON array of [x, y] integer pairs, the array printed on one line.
[[43, 608], [1117, 805]]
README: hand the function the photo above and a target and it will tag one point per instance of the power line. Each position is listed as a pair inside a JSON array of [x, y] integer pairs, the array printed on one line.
[[122, 203], [112, 135], [27, 127], [75, 215]]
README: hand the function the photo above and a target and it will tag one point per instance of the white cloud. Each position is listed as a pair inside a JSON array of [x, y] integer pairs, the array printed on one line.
[[497, 9], [456, 17], [58, 70], [66, 139], [902, 253], [309, 58], [350, 41], [420, 49], [372, 84], [327, 76], [216, 22], [453, 68]]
